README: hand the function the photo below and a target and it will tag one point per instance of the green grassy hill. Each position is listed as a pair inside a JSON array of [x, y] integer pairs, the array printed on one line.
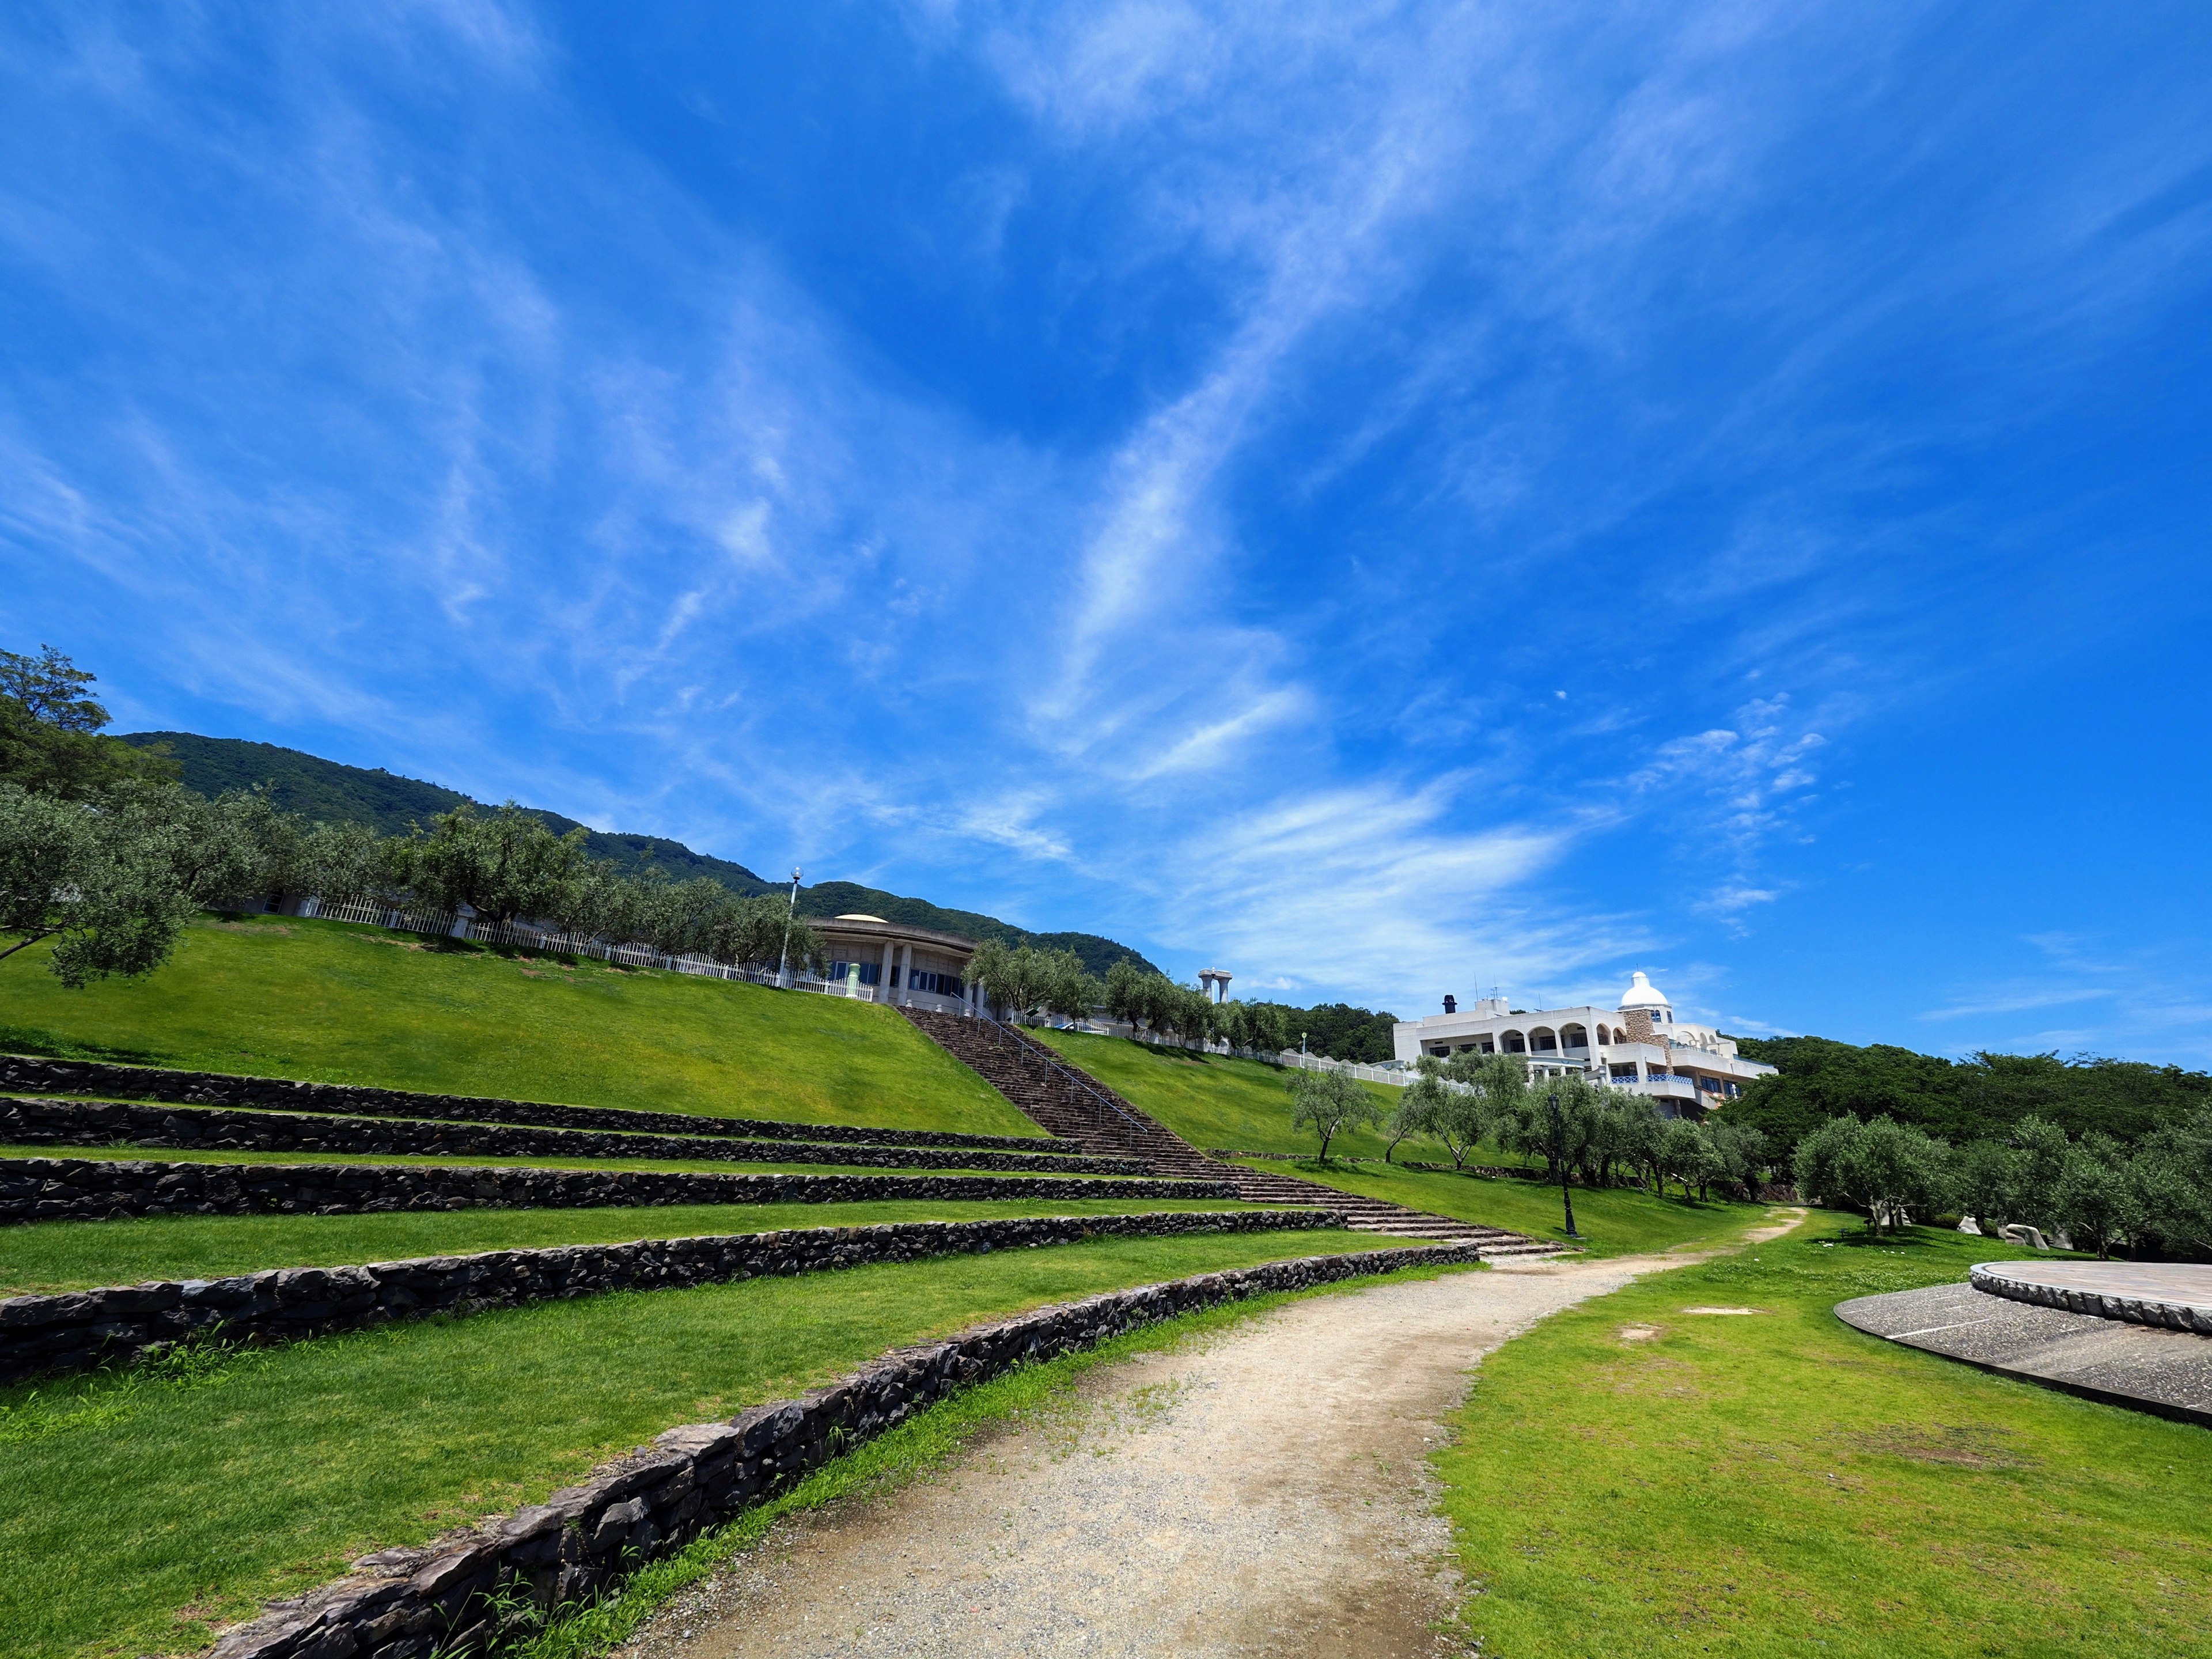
[[329, 1002], [1210, 1100], [338, 794]]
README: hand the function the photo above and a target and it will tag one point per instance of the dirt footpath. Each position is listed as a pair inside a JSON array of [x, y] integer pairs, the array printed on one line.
[[1264, 1492]]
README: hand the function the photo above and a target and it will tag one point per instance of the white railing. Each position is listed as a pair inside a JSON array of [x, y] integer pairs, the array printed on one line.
[[522, 935], [1394, 1076]]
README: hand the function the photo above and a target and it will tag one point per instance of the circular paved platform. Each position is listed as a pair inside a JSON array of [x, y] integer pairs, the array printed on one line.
[[2170, 1296], [2120, 1363]]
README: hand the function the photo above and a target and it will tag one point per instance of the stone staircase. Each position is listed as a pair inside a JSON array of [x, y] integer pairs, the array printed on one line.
[[1067, 1101]]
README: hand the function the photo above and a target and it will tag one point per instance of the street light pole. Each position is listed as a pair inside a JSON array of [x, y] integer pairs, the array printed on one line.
[[783, 958], [1559, 1141]]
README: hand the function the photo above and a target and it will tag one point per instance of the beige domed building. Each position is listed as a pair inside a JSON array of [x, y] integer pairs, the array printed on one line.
[[879, 961], [1637, 1045]]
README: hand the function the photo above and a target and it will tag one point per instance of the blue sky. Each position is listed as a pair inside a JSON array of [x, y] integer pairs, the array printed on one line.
[[1389, 500]]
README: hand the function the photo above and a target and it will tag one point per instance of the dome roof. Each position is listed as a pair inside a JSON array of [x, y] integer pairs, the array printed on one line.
[[1642, 995]]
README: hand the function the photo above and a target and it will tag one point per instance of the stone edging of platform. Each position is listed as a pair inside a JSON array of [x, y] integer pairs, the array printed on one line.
[[404, 1604], [2135, 1310]]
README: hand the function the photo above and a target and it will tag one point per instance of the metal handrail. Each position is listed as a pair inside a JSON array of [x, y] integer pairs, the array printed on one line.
[[1029, 1045]]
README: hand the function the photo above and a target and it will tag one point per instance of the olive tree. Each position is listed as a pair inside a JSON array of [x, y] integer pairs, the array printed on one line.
[[506, 865], [2093, 1194], [111, 882], [1069, 989], [1988, 1183], [2041, 1147], [1739, 1151], [1441, 1103], [1256, 1028], [1329, 1102], [1884, 1168], [1016, 981]]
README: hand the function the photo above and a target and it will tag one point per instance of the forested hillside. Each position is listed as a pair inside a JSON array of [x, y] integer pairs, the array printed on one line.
[[1343, 1032], [338, 794], [1961, 1101]]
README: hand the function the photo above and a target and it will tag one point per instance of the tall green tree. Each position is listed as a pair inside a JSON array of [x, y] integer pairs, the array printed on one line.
[[111, 882], [2093, 1194], [51, 733], [1445, 1102], [1884, 1168], [2040, 1146], [504, 865], [1987, 1183], [1330, 1103], [1070, 990]]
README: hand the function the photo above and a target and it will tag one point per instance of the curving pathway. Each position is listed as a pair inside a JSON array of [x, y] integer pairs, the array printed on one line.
[[1264, 1492]]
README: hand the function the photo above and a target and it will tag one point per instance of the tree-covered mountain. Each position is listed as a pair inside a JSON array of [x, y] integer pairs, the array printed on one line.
[[337, 793], [1343, 1032], [1960, 1100]]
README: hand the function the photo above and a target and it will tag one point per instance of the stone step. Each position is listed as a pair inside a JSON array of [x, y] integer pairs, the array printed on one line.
[[1069, 1102]]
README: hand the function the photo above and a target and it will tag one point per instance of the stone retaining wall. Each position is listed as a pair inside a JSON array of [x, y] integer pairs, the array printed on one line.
[[79, 1329], [2135, 1310], [407, 1603], [216, 1128], [26, 1075], [93, 1189]]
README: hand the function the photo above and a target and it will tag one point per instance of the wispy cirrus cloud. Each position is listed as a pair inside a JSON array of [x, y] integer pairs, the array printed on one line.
[[1360, 490]]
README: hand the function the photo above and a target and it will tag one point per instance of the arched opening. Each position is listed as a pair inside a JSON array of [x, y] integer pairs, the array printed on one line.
[[1512, 1043], [1544, 1040], [1573, 1036]]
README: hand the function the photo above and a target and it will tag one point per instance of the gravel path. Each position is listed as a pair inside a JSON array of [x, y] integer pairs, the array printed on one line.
[[1265, 1491]]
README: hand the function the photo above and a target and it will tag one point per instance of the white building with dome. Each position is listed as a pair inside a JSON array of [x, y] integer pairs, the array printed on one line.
[[1638, 1045]]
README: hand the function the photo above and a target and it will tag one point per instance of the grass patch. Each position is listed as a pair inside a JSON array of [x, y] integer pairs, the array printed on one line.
[[1613, 1220], [139, 1527], [1213, 1100], [48, 1256], [1630, 1479], [331, 1002], [883, 1465]]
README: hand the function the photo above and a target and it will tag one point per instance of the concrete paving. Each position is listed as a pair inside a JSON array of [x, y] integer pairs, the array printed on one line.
[[2168, 1372]]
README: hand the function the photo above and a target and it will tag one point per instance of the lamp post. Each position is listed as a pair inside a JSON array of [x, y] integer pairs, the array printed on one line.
[[783, 957], [1559, 1141]]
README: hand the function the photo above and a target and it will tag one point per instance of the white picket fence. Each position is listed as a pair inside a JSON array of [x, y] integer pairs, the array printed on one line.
[[1394, 1076], [452, 924]]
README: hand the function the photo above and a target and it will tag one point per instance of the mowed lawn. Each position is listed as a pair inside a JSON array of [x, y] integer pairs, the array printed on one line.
[[71, 1256], [1633, 1478], [137, 1513], [330, 1002], [1215, 1101], [1611, 1221]]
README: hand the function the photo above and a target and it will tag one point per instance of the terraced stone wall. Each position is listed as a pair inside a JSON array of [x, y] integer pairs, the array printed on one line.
[[92, 1190], [28, 1075], [79, 1329], [407, 1604], [108, 1123]]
